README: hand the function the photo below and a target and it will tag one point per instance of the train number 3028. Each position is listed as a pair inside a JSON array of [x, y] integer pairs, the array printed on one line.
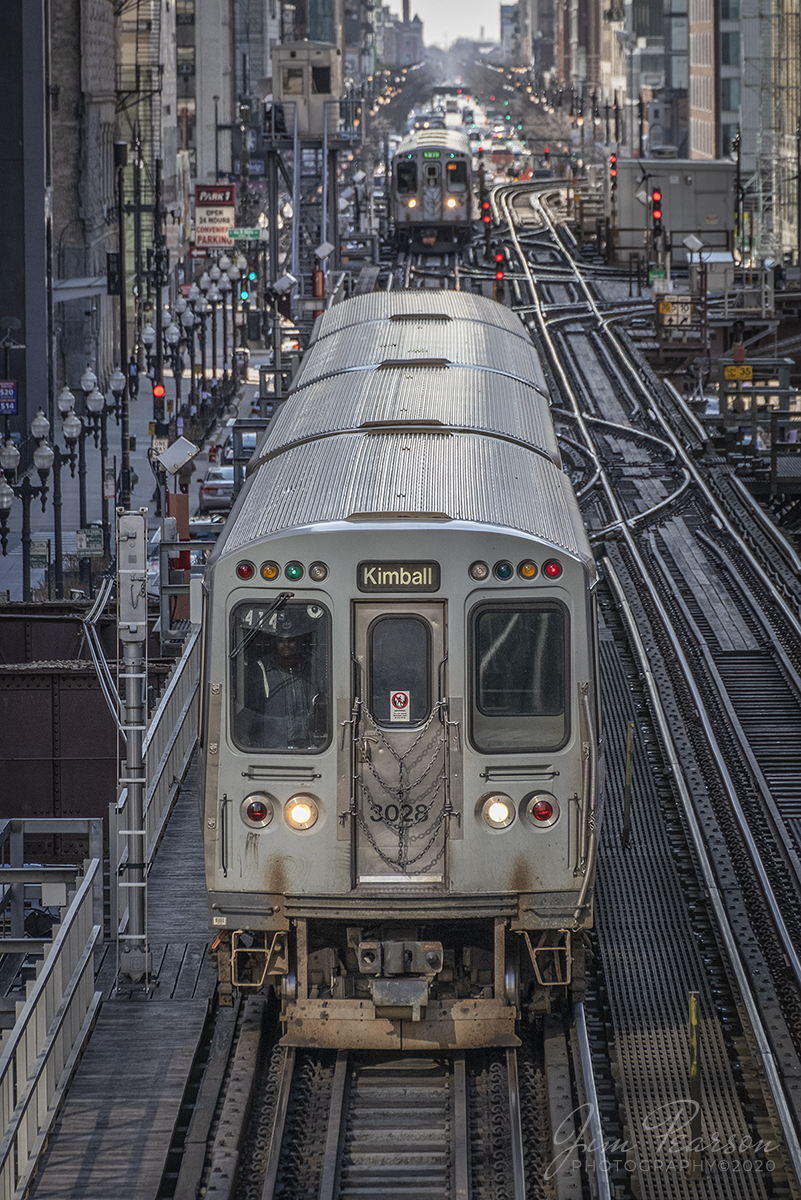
[[393, 813]]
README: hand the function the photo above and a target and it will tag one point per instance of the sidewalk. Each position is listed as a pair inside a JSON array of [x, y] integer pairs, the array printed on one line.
[[141, 414]]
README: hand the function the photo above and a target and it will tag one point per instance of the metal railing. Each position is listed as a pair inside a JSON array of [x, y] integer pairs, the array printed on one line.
[[168, 748], [42, 1050]]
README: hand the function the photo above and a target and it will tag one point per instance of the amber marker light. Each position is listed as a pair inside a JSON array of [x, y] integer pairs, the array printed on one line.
[[527, 569], [270, 571]]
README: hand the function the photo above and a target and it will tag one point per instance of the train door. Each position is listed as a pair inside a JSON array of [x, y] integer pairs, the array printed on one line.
[[432, 190], [400, 752]]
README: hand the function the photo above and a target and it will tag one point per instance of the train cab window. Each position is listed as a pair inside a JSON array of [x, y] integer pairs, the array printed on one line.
[[281, 678], [399, 671], [456, 175], [407, 177], [519, 678]]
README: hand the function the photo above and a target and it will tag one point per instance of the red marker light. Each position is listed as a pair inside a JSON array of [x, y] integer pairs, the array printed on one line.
[[246, 570], [552, 569], [257, 810], [542, 810]]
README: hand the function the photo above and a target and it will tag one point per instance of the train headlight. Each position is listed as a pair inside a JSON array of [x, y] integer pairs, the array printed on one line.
[[412, 204], [541, 808], [301, 811], [527, 569], [497, 810], [478, 570], [269, 571], [318, 572], [553, 569], [258, 810], [452, 203]]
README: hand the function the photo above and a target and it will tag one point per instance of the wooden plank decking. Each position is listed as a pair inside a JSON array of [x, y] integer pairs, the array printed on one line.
[[113, 1135]]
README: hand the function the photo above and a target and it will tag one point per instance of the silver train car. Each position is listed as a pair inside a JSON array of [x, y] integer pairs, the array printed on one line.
[[431, 189], [401, 738]]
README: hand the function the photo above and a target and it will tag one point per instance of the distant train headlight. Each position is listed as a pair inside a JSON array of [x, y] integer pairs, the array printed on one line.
[[497, 809], [541, 808], [301, 811], [258, 810], [527, 569], [245, 570], [270, 571], [452, 203], [412, 204], [318, 572], [478, 570], [553, 569]]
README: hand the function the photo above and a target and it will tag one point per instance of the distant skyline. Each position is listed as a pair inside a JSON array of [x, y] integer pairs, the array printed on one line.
[[446, 20]]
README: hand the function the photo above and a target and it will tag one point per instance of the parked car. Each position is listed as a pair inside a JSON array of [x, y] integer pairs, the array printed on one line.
[[216, 490]]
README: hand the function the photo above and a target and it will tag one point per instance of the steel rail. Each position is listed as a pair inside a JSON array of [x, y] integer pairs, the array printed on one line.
[[461, 1131], [279, 1121], [756, 862], [329, 1180], [764, 1048], [591, 1097]]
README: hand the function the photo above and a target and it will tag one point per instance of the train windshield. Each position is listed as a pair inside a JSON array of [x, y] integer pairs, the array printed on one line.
[[456, 175], [519, 678], [407, 176], [281, 677]]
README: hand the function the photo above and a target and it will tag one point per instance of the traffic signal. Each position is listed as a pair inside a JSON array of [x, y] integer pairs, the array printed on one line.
[[485, 212], [251, 276], [546, 154], [499, 265], [656, 210], [244, 294], [613, 169], [158, 401]]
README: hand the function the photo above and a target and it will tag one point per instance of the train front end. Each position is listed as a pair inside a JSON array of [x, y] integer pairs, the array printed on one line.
[[402, 776]]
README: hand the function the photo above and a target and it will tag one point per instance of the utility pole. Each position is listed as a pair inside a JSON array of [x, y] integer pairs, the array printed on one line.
[[121, 162], [134, 959]]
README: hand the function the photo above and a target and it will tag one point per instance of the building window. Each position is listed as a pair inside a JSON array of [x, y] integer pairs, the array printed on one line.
[[730, 49], [185, 60], [184, 12], [293, 81], [730, 93], [729, 10]]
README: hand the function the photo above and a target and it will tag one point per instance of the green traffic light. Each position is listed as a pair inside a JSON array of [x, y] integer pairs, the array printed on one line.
[[251, 275], [243, 295]]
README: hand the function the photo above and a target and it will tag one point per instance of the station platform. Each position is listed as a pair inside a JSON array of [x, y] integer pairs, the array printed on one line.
[[113, 1136]]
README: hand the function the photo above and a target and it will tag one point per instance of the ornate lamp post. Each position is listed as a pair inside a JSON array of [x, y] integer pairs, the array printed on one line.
[[172, 336], [148, 336], [188, 322], [214, 297], [202, 308], [234, 275], [224, 288], [117, 385], [26, 491]]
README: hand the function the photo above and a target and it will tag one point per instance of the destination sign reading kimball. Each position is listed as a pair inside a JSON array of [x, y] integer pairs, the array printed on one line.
[[398, 577]]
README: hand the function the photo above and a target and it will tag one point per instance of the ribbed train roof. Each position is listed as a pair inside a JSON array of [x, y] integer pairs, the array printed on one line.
[[394, 306], [470, 399], [450, 139], [469, 478]]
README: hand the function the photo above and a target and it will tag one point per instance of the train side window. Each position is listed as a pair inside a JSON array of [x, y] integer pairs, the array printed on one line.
[[321, 81], [456, 175], [519, 678], [281, 678], [399, 654], [407, 177]]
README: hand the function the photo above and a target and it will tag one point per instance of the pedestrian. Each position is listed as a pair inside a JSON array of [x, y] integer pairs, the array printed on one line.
[[133, 377], [185, 474]]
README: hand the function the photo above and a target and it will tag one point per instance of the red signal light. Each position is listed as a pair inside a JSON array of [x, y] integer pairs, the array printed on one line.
[[657, 214], [546, 151], [158, 391], [656, 197]]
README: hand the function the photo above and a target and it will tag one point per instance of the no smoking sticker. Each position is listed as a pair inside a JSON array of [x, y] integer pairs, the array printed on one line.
[[399, 707]]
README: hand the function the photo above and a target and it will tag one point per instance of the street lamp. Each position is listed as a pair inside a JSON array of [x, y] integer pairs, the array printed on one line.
[[202, 307], [117, 385], [234, 275], [148, 341], [188, 322], [224, 288], [172, 336], [213, 297], [26, 491]]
